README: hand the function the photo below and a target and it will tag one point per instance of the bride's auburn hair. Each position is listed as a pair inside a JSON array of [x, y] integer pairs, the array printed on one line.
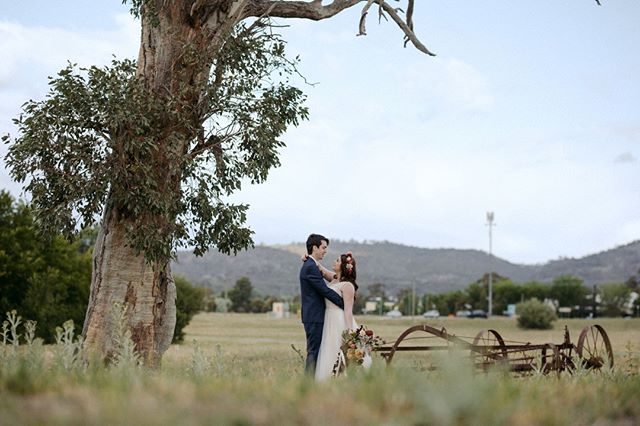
[[348, 269]]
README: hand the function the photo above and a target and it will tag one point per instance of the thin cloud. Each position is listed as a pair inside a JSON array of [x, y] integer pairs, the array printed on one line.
[[625, 158]]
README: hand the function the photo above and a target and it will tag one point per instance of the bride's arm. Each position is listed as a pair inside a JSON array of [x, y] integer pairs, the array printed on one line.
[[348, 295], [327, 274]]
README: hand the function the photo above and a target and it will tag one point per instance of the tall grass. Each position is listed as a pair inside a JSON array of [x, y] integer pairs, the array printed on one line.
[[207, 382]]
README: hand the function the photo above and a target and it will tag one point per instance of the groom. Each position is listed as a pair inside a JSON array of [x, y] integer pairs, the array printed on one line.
[[313, 291]]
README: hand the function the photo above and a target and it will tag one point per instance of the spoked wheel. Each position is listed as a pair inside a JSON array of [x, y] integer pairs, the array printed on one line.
[[438, 340], [488, 349], [594, 347]]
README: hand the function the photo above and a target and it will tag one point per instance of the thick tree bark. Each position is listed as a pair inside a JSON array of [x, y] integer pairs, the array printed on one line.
[[147, 292]]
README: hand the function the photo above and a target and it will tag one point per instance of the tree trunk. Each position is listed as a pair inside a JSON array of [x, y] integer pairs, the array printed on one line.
[[146, 291]]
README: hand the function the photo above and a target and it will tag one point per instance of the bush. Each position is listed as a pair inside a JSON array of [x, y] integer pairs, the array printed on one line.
[[535, 314], [240, 295], [189, 301]]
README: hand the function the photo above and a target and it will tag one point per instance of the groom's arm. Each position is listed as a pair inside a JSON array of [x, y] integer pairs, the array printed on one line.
[[315, 279]]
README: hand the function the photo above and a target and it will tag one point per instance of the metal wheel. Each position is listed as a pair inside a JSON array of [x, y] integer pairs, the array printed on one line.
[[488, 349], [594, 347], [438, 340]]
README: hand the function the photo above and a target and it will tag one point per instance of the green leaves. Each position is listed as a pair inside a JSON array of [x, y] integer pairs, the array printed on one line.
[[246, 107], [45, 279], [65, 145], [106, 138]]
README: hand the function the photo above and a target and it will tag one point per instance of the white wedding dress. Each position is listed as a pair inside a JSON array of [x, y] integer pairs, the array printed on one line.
[[334, 325]]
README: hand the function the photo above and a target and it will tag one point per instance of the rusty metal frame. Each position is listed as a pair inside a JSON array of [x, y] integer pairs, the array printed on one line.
[[593, 350]]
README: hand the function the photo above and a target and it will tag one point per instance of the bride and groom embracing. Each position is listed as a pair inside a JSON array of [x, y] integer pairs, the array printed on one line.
[[327, 310]]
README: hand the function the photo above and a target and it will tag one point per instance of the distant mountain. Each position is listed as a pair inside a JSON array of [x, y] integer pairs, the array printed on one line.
[[274, 269]]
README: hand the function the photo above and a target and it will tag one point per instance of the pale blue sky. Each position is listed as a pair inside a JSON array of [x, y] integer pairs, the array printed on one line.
[[530, 109]]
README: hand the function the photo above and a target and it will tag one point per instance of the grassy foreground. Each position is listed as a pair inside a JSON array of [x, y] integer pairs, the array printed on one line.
[[241, 369]]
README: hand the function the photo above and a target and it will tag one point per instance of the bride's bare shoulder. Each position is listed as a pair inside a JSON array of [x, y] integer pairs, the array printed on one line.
[[347, 284]]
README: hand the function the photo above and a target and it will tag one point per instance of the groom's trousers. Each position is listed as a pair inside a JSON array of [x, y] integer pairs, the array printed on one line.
[[313, 330]]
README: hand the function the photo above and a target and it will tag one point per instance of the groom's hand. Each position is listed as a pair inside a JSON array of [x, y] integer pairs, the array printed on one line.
[[304, 257]]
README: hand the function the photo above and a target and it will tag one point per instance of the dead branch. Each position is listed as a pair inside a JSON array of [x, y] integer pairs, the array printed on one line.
[[363, 18], [315, 10]]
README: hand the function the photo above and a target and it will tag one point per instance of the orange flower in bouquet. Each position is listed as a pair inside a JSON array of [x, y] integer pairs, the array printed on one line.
[[356, 346]]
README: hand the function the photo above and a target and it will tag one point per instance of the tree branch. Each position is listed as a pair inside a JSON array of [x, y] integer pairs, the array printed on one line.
[[363, 18], [409, 19], [314, 10], [212, 142], [408, 32]]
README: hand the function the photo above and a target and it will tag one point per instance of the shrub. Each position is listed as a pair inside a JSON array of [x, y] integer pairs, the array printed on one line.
[[189, 301], [535, 314]]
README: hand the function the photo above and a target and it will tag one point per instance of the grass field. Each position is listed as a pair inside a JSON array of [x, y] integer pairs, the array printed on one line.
[[241, 369]]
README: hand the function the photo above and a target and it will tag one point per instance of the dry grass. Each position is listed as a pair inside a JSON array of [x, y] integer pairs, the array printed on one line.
[[242, 370], [256, 335]]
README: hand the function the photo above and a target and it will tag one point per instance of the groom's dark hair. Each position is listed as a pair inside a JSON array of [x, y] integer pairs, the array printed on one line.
[[315, 240]]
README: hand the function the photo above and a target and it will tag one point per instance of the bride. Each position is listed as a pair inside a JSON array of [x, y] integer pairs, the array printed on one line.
[[335, 319]]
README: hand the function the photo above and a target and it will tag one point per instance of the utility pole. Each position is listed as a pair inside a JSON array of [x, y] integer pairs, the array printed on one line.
[[413, 299], [490, 297]]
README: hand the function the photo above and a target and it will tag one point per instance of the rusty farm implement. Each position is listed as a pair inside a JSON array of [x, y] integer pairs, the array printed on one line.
[[488, 349]]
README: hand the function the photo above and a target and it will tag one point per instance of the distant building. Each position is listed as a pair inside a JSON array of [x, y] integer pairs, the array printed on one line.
[[280, 310], [511, 310], [370, 306]]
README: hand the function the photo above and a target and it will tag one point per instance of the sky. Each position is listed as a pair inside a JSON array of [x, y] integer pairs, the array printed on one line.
[[530, 110]]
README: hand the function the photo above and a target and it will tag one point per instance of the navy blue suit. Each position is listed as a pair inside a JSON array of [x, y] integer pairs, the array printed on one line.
[[313, 291]]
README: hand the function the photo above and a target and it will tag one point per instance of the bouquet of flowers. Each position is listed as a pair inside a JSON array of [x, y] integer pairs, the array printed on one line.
[[356, 348]]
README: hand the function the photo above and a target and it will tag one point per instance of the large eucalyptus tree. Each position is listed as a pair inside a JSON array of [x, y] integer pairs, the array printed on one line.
[[155, 146]]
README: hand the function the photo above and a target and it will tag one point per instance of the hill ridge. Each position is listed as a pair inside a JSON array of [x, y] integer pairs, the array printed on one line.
[[273, 269]]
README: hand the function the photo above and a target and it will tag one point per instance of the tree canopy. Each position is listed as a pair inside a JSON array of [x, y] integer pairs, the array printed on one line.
[[95, 138]]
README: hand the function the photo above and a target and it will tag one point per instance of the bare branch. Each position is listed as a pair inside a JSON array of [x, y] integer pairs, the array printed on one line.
[[363, 18], [315, 10], [381, 14], [408, 32], [409, 19]]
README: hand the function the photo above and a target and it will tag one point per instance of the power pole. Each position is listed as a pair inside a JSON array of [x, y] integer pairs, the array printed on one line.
[[413, 299], [490, 297]]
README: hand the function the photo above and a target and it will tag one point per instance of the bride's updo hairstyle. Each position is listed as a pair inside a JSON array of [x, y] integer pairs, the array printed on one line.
[[348, 268]]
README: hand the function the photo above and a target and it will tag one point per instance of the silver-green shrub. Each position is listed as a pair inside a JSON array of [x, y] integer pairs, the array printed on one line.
[[535, 314]]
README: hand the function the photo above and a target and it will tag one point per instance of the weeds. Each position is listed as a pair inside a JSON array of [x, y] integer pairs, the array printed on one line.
[[124, 352], [299, 353], [200, 364], [14, 320], [630, 359], [68, 349], [258, 385]]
